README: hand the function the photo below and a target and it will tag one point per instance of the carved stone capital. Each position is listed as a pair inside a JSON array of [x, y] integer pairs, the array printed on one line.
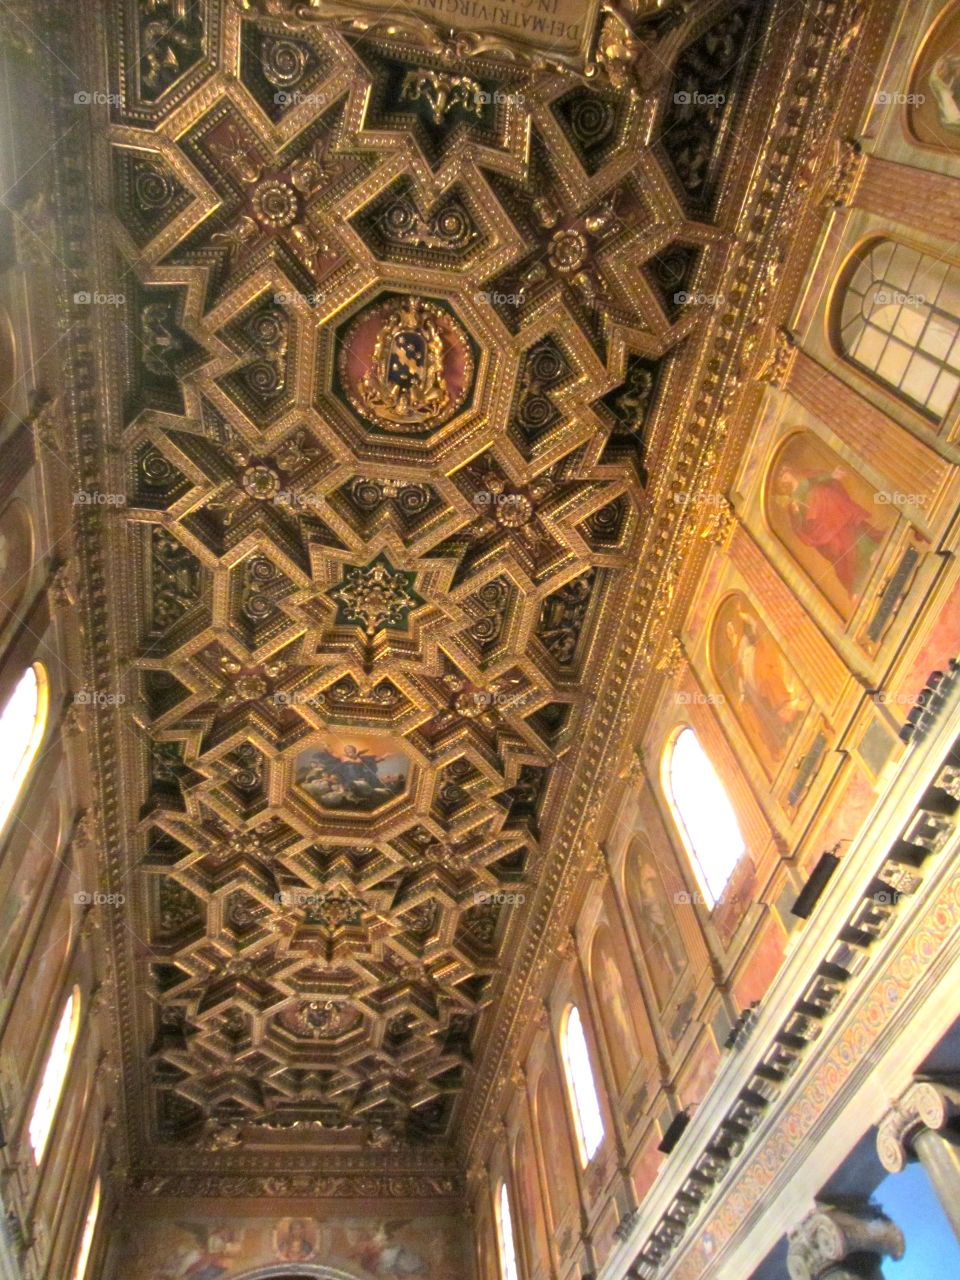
[[62, 589], [567, 946], [927, 1104], [827, 1236]]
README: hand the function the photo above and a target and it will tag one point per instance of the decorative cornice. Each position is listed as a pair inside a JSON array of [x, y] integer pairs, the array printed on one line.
[[364, 1186]]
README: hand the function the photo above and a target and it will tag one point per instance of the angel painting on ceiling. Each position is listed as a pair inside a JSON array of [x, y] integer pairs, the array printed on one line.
[[206, 1256], [352, 775], [382, 1253]]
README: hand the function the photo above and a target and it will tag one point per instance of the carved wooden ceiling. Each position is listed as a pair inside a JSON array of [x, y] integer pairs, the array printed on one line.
[[403, 323]]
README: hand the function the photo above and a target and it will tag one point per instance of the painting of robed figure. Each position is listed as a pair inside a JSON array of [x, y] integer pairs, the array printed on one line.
[[933, 102], [828, 518], [645, 883], [760, 685]]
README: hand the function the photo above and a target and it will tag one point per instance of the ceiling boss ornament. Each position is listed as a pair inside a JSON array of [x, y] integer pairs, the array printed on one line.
[[406, 365], [374, 596]]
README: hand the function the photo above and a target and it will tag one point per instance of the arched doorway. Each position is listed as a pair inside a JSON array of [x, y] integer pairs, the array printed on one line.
[[302, 1271]]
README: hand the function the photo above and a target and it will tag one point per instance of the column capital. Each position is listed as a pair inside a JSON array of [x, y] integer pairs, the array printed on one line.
[[827, 1236], [927, 1104]]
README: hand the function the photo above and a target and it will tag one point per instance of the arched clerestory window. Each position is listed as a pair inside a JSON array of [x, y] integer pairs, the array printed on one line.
[[89, 1231], [898, 318], [506, 1238], [54, 1076], [704, 815], [581, 1085], [23, 722]]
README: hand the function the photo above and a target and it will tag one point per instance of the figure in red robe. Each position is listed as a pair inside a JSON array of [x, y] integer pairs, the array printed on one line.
[[827, 519]]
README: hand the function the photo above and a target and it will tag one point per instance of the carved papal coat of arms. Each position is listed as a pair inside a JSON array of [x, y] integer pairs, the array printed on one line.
[[407, 365]]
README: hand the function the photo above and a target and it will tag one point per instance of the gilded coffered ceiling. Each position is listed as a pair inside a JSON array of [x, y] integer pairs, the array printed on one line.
[[407, 322]]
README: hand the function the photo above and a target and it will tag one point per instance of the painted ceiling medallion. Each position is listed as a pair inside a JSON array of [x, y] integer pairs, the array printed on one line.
[[406, 365], [352, 775], [319, 1019]]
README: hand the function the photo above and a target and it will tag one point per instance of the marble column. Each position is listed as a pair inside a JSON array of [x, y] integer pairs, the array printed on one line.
[[919, 1126], [842, 1244]]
